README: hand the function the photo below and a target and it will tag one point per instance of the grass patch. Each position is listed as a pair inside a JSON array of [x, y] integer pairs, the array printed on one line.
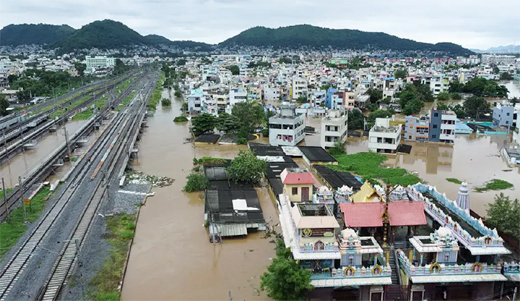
[[196, 182], [105, 284], [84, 115], [453, 180], [12, 230], [494, 184], [368, 166], [211, 160], [156, 94]]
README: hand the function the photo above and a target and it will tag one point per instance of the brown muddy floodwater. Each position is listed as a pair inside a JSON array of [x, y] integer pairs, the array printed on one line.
[[24, 162], [171, 257]]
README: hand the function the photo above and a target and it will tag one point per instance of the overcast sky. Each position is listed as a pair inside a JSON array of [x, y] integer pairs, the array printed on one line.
[[471, 23]]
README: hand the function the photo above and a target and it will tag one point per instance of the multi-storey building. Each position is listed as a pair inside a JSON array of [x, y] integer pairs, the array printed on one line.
[[334, 128], [417, 129], [442, 126], [286, 128], [383, 137], [299, 88], [194, 101], [271, 93], [99, 62], [504, 115]]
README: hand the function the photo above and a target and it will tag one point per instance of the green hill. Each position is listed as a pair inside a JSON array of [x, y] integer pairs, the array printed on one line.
[[40, 34], [106, 34], [153, 39], [318, 37]]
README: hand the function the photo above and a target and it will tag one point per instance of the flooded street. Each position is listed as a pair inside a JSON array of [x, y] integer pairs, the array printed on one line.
[[171, 257], [27, 160]]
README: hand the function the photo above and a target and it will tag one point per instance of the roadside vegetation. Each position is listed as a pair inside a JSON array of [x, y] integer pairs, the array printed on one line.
[[494, 184], [105, 285], [11, 230], [454, 180], [196, 182], [368, 166], [165, 102], [156, 94]]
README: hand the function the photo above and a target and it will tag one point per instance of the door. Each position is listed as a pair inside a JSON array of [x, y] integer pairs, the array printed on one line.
[[305, 194]]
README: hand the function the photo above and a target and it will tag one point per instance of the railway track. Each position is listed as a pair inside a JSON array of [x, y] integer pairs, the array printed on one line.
[[13, 197], [116, 133]]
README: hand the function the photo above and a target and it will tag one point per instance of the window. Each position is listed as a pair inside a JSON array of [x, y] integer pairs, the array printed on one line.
[[434, 136], [434, 126], [294, 190], [435, 114]]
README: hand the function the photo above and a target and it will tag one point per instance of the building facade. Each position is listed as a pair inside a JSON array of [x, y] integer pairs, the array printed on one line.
[[334, 128], [384, 138], [286, 128]]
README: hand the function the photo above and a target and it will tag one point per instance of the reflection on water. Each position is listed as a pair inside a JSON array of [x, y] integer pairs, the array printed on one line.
[[24, 162], [172, 258]]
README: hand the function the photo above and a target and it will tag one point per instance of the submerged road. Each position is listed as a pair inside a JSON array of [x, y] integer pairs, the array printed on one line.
[[38, 265]]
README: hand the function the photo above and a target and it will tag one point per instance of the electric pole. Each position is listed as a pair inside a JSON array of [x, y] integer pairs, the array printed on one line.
[[5, 200], [21, 198]]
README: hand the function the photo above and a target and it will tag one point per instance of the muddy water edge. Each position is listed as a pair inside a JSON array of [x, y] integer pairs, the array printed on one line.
[[171, 257]]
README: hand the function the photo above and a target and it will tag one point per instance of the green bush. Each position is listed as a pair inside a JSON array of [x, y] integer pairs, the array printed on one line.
[[242, 140], [455, 96], [180, 119], [165, 102], [196, 182], [265, 132], [127, 234], [495, 184], [454, 180]]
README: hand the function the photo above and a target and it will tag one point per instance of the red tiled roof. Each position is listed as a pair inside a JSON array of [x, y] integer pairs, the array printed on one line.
[[363, 214], [299, 178], [406, 213]]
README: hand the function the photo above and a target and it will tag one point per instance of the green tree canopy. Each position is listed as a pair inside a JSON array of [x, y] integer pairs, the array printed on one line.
[[378, 114], [443, 96], [375, 95], [4, 104], [506, 76], [249, 113], [355, 120], [400, 73], [246, 167], [480, 87], [504, 214], [284, 279], [228, 123], [455, 96], [476, 106], [202, 124], [234, 70]]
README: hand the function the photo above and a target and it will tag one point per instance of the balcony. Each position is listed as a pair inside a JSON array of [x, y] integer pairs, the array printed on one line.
[[353, 276], [434, 272]]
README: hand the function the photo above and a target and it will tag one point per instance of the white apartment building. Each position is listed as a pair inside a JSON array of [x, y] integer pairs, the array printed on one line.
[[237, 95], [271, 93], [439, 84], [94, 62], [286, 128], [384, 138], [299, 88], [448, 121], [195, 101], [334, 128]]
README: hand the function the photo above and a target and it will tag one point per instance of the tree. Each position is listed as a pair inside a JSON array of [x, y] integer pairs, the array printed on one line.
[[196, 182], [227, 123], [246, 167], [165, 102], [474, 106], [375, 95], [249, 114], [202, 124], [356, 120], [496, 70], [120, 67], [338, 148], [4, 104], [181, 62], [80, 68], [504, 214], [378, 114], [234, 70], [413, 107], [443, 96], [459, 111], [506, 76], [302, 99], [455, 96], [178, 93], [284, 279], [401, 73]]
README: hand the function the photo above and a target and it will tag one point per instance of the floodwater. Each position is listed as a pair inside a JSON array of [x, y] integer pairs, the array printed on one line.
[[171, 257], [26, 161]]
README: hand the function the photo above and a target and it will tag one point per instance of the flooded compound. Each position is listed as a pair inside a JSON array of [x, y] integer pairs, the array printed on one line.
[[171, 257], [24, 162]]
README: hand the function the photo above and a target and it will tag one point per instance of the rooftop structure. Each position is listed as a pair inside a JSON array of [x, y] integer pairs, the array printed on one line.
[[286, 128], [383, 137]]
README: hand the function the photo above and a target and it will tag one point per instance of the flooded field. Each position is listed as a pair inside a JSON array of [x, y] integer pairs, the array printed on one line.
[[172, 258], [25, 161]]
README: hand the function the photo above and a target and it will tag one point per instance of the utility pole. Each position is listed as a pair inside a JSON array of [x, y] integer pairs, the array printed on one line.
[[67, 140], [5, 200], [21, 198]]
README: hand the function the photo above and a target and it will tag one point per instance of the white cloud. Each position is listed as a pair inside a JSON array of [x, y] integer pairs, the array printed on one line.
[[471, 23]]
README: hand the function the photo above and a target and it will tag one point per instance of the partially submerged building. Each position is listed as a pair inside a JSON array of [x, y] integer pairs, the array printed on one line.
[[383, 137], [286, 128]]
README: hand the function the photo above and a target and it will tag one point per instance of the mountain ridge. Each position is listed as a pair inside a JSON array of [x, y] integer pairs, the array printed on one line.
[[27, 34]]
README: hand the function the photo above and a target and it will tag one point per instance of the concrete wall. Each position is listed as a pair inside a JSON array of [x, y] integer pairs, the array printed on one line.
[[297, 198]]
